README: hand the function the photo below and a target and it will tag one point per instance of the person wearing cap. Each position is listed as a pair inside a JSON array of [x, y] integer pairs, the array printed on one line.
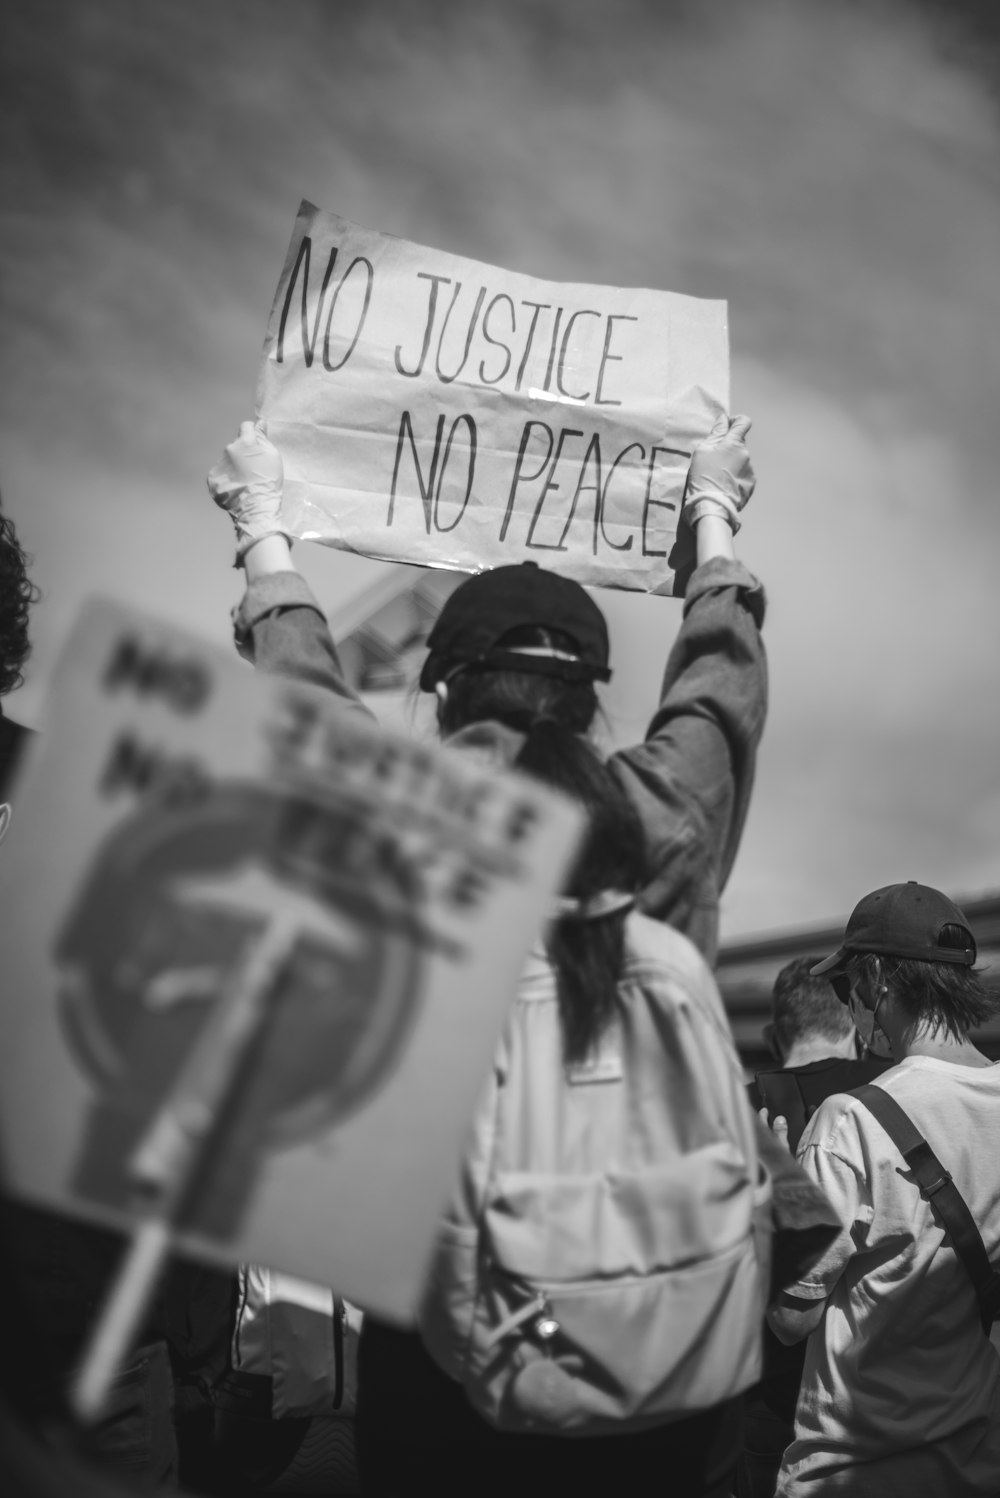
[[900, 1393], [512, 662], [689, 781], [818, 1052]]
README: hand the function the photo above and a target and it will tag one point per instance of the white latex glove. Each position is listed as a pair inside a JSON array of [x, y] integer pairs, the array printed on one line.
[[248, 483], [720, 479]]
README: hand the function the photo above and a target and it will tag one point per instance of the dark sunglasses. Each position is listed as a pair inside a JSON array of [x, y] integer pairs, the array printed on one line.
[[841, 985]]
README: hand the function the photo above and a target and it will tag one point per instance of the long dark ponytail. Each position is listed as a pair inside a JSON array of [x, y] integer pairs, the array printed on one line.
[[587, 951]]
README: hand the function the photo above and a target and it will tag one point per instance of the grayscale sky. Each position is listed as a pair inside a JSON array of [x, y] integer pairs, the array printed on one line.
[[829, 167]]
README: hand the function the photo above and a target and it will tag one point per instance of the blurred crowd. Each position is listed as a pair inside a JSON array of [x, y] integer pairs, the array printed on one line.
[[656, 1273]]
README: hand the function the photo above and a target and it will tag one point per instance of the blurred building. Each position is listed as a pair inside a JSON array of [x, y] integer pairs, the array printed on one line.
[[382, 639]]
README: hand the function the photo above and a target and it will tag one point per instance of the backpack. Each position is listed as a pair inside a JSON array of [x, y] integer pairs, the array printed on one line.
[[293, 1350], [797, 1093], [284, 1409], [605, 1264]]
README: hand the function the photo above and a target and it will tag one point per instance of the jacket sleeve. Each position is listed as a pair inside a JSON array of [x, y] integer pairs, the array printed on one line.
[[691, 779], [836, 1164], [281, 629], [803, 1222]]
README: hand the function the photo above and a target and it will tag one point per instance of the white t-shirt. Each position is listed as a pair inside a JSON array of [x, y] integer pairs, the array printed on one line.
[[901, 1390]]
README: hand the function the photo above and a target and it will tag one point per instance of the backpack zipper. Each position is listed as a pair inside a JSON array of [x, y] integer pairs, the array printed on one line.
[[538, 1308]]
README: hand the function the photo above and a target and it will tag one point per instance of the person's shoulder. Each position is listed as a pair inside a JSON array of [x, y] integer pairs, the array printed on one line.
[[843, 1109], [666, 963], [836, 1125], [654, 944], [921, 1081]]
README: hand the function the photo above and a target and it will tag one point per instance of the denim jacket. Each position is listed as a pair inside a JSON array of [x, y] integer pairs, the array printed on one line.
[[691, 778]]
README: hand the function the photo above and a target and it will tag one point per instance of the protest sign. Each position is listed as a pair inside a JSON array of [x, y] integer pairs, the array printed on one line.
[[254, 947], [436, 410]]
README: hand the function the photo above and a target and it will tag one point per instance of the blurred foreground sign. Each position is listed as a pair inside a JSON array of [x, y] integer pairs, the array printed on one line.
[[234, 913], [435, 410]]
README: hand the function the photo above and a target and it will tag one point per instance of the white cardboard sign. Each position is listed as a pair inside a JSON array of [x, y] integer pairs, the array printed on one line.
[[177, 811], [436, 410]]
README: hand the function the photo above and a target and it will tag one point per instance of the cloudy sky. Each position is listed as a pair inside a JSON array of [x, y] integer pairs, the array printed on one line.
[[829, 167]]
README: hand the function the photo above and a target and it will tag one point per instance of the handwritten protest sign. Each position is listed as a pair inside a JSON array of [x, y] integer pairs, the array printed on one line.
[[432, 409], [240, 923]]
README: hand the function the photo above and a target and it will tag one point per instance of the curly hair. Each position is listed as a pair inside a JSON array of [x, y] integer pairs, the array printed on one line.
[[17, 594]]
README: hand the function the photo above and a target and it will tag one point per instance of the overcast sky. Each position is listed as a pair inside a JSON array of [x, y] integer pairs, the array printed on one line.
[[830, 168]]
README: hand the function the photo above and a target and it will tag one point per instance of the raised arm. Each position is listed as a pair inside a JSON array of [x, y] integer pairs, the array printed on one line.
[[279, 625], [691, 779]]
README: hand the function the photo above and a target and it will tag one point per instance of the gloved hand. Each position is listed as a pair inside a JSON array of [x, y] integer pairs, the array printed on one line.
[[248, 484], [720, 479]]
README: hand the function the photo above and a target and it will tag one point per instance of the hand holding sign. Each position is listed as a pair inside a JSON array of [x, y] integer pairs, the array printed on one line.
[[247, 483], [721, 479]]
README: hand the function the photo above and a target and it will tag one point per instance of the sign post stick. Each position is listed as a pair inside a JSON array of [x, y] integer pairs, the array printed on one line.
[[120, 1316], [162, 1166]]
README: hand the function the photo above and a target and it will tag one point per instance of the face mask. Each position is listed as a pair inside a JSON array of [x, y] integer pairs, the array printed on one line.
[[865, 1020]]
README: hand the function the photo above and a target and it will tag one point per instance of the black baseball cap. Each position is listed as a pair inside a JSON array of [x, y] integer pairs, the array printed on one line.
[[488, 605], [902, 920]]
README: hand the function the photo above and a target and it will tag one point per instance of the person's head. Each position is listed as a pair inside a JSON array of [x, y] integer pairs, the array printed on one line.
[[515, 644], [805, 1010], [909, 947], [17, 594]]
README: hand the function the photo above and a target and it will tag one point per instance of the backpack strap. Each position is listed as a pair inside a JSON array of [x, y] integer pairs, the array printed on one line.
[[938, 1188]]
